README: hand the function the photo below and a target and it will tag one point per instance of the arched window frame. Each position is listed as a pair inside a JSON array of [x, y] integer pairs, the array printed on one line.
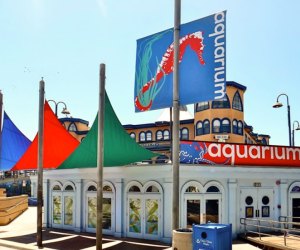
[[216, 125], [240, 128], [148, 135], [237, 103], [225, 126], [142, 136], [200, 106], [159, 135], [166, 135], [221, 104], [206, 127], [132, 135], [72, 127], [199, 128], [184, 133], [235, 126]]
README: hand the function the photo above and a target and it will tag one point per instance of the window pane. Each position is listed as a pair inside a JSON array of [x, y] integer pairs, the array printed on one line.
[[134, 189], [159, 135], [152, 189], [149, 136], [206, 127], [202, 106], [193, 212], [142, 136], [152, 216], [135, 211], [132, 135], [237, 102], [68, 208], [92, 188], [216, 126], [166, 135]]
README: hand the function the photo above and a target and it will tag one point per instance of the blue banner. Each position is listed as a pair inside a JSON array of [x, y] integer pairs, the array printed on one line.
[[202, 64]]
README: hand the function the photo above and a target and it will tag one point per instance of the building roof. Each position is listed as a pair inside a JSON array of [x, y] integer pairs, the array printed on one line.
[[237, 85]]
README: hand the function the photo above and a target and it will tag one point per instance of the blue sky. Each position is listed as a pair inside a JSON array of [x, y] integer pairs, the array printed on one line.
[[65, 42]]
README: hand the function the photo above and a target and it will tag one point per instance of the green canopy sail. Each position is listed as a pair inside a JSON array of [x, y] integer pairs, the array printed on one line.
[[119, 148]]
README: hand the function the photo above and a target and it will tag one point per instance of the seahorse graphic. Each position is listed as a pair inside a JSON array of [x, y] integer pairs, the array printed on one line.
[[147, 92]]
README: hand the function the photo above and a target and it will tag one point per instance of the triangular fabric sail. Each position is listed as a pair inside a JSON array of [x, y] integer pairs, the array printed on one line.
[[58, 144], [119, 148], [13, 145]]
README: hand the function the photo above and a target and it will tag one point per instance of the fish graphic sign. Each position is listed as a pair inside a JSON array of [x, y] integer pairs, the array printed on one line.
[[202, 64]]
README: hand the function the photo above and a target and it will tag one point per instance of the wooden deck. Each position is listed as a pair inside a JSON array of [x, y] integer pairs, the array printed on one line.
[[276, 242]]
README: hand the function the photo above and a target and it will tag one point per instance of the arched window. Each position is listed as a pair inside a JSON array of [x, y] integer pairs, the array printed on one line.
[[132, 135], [199, 128], [184, 134], [149, 136], [107, 188], [56, 188], [234, 127], [166, 135], [206, 127], [221, 104], [152, 189], [159, 135], [225, 126], [134, 189], [264, 141], [213, 189], [216, 126], [240, 128], [202, 106], [72, 127], [237, 102], [192, 189], [142, 136], [92, 188], [69, 188]]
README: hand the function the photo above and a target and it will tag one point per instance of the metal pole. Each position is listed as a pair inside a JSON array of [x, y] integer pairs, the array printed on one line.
[[1, 109], [171, 129], [289, 122], [175, 132], [293, 137], [100, 158], [40, 164]]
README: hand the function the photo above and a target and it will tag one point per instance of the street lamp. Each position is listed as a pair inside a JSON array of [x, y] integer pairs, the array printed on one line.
[[279, 105], [65, 111], [298, 128]]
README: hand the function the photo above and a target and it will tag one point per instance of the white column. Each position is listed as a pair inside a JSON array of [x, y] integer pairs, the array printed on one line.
[[232, 206], [283, 198], [46, 197], [78, 206], [167, 211], [119, 208]]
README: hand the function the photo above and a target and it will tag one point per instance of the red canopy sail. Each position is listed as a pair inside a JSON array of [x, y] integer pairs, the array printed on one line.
[[58, 145]]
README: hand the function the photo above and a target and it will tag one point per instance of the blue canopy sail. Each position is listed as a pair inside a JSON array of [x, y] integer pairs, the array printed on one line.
[[13, 145]]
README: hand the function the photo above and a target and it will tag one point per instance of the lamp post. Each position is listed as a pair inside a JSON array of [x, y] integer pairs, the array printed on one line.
[[298, 128], [279, 105], [65, 111]]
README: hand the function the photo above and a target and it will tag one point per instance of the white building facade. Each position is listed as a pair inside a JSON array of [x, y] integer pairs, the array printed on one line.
[[137, 199]]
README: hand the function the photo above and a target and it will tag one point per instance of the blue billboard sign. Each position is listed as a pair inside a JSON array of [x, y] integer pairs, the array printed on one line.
[[202, 64]]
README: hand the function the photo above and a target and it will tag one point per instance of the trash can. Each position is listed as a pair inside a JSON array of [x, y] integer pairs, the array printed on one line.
[[182, 239], [212, 236]]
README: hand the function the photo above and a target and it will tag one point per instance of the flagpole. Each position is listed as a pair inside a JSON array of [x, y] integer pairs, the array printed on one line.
[[40, 164], [100, 158], [175, 131], [1, 109]]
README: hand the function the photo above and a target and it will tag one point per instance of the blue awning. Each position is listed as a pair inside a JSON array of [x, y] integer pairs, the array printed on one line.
[[13, 145]]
